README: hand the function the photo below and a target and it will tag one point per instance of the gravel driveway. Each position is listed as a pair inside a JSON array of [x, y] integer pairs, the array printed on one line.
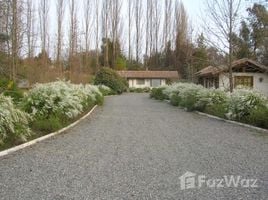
[[137, 148]]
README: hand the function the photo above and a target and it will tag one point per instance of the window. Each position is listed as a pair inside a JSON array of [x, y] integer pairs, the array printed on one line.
[[246, 81], [156, 82], [140, 81]]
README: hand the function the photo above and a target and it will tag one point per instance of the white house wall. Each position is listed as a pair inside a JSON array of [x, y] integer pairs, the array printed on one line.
[[133, 83], [261, 86]]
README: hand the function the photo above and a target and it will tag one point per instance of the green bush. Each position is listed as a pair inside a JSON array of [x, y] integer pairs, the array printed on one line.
[[140, 90], [47, 125], [108, 77], [157, 93], [9, 88], [218, 110], [175, 100], [258, 117], [105, 90]]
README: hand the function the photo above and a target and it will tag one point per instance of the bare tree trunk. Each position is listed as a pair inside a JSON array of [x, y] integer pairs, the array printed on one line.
[[105, 23], [138, 15], [129, 29], [43, 15], [230, 57], [14, 39], [87, 17], [73, 37], [97, 31], [167, 22], [30, 29], [60, 13], [116, 11]]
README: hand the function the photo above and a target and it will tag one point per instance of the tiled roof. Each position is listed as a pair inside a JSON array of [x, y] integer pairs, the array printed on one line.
[[149, 74], [210, 70]]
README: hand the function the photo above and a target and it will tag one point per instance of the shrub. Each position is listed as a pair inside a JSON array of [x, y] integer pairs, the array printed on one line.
[[105, 90], [242, 102], [175, 100], [157, 93], [258, 117], [140, 90], [108, 77], [242, 105], [60, 98], [218, 110], [9, 88], [13, 122], [211, 97], [47, 125]]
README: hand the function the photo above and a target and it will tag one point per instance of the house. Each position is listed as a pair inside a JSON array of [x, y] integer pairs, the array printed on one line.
[[246, 73], [141, 79]]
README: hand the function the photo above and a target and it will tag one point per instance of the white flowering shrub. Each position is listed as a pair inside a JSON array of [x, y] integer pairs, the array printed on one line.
[[105, 90], [210, 98], [243, 105], [13, 122], [60, 98], [243, 101]]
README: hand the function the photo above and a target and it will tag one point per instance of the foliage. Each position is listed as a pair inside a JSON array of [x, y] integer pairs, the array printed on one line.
[[105, 90], [242, 102], [60, 98], [116, 59], [140, 90], [9, 88], [157, 93], [13, 122], [252, 41], [258, 117], [111, 79], [47, 125], [242, 105], [120, 63]]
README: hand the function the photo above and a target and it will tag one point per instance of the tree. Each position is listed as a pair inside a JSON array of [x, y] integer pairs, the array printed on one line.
[[138, 26], [97, 31], [130, 15], [115, 18], [60, 14], [181, 43], [30, 28], [223, 16], [200, 55], [43, 15], [258, 21]]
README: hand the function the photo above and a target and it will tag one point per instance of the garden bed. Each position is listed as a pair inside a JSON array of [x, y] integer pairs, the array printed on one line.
[[243, 105], [44, 109]]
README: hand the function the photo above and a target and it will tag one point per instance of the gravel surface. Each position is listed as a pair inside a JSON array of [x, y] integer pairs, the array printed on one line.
[[137, 148]]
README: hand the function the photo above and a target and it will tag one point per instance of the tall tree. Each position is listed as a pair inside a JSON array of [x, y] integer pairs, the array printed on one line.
[[115, 18], [105, 30], [43, 15], [97, 31], [181, 42], [138, 26], [60, 6], [258, 22], [223, 16], [30, 28]]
